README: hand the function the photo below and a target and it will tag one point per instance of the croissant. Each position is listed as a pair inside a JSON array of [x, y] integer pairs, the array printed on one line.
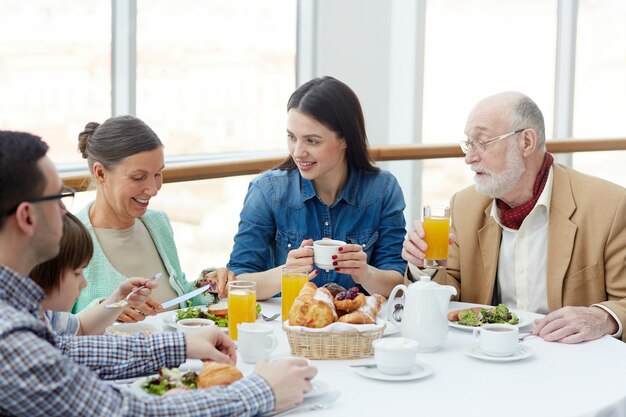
[[313, 307], [214, 373], [367, 313]]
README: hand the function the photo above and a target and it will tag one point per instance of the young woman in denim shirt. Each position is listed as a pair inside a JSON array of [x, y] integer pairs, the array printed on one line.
[[328, 187]]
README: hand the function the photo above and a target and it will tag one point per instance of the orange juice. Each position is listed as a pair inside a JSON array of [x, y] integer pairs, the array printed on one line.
[[437, 230], [290, 287], [241, 309]]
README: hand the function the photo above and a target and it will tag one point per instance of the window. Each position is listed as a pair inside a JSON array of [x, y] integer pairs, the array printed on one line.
[[474, 49], [55, 61]]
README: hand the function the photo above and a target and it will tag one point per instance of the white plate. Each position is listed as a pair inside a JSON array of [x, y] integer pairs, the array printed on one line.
[[318, 388], [168, 319], [524, 320], [420, 370], [390, 329], [523, 352], [126, 329]]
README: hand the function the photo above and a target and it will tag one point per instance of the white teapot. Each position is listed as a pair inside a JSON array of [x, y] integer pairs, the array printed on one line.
[[424, 318]]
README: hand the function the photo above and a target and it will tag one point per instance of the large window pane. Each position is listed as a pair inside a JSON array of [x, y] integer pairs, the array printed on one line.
[[55, 69], [601, 85], [475, 48], [215, 75]]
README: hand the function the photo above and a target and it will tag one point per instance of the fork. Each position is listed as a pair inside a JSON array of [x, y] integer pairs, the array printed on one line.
[[270, 318], [124, 302]]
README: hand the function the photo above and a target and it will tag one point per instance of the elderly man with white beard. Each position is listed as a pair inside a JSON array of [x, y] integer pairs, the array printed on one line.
[[532, 234]]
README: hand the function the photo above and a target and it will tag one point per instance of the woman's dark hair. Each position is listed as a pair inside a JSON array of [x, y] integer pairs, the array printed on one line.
[[115, 140], [334, 104], [76, 251], [20, 177]]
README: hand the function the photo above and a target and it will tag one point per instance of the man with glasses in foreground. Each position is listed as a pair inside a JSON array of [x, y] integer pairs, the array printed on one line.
[[43, 374], [533, 234]]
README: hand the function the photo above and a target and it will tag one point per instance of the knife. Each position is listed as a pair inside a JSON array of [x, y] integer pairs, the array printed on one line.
[[185, 297]]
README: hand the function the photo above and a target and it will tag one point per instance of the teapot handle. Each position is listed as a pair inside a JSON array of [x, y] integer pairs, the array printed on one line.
[[391, 305]]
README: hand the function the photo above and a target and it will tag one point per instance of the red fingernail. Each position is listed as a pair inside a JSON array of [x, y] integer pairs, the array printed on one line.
[[340, 249], [334, 256], [335, 263], [337, 269]]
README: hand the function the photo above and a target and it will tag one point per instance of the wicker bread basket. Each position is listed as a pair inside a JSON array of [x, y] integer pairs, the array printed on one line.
[[332, 345]]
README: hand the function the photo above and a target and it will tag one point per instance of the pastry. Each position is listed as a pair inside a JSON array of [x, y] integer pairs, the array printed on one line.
[[367, 313], [334, 288], [214, 373], [313, 307], [349, 300]]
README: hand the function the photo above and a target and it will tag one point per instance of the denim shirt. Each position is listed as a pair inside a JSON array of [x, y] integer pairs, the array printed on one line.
[[282, 209]]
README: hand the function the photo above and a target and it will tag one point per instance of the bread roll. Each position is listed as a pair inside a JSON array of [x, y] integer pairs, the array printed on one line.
[[219, 309], [214, 373]]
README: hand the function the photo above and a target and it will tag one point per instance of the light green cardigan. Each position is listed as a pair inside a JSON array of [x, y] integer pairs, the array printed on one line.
[[103, 278]]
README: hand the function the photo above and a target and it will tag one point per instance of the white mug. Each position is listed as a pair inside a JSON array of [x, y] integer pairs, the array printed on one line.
[[395, 355], [255, 342], [324, 250], [498, 339]]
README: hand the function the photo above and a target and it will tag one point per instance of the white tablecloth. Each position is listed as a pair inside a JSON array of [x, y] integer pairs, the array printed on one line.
[[585, 379]]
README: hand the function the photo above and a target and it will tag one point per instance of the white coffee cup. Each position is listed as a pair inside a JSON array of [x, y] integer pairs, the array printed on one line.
[[255, 342], [395, 355], [193, 324], [498, 339], [324, 250]]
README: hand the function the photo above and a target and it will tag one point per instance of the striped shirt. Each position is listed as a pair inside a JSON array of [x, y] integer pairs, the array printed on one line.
[[62, 322], [44, 374]]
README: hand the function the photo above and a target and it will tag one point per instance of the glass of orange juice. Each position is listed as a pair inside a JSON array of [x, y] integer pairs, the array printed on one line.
[[292, 281], [436, 235], [241, 305]]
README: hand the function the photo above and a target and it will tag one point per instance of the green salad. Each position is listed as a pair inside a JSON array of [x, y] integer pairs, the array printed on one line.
[[498, 314], [169, 379], [197, 312]]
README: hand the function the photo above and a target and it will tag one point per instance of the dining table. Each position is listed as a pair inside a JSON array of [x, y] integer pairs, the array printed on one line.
[[551, 379]]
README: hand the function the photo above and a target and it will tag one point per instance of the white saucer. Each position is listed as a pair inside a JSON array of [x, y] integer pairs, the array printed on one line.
[[318, 388], [523, 352], [168, 318], [420, 370]]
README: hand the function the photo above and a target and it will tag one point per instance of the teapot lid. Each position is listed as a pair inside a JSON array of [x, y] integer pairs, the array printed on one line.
[[425, 282]]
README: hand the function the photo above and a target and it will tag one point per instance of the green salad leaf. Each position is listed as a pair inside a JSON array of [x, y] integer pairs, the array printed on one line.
[[169, 379], [498, 314], [192, 312]]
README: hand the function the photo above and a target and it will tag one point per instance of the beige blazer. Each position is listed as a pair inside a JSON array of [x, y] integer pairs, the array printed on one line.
[[586, 244]]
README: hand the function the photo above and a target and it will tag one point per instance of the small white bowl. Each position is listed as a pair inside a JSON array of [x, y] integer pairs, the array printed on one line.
[[190, 325], [126, 329]]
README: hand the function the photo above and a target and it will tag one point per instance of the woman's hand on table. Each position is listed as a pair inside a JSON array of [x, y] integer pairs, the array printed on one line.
[[575, 325], [289, 379], [210, 344]]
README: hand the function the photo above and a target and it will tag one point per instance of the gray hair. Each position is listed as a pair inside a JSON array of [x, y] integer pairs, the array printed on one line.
[[527, 115], [115, 140]]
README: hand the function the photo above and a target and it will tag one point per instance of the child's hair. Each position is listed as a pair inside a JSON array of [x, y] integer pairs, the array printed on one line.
[[76, 250]]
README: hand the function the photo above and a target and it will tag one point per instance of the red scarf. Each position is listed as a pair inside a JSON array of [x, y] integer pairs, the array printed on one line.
[[513, 217]]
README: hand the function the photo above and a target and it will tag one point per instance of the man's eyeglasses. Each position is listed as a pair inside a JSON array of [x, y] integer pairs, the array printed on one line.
[[65, 197], [481, 146]]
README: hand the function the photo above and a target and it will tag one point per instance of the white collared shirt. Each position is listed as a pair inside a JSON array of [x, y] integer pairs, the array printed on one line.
[[522, 261]]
